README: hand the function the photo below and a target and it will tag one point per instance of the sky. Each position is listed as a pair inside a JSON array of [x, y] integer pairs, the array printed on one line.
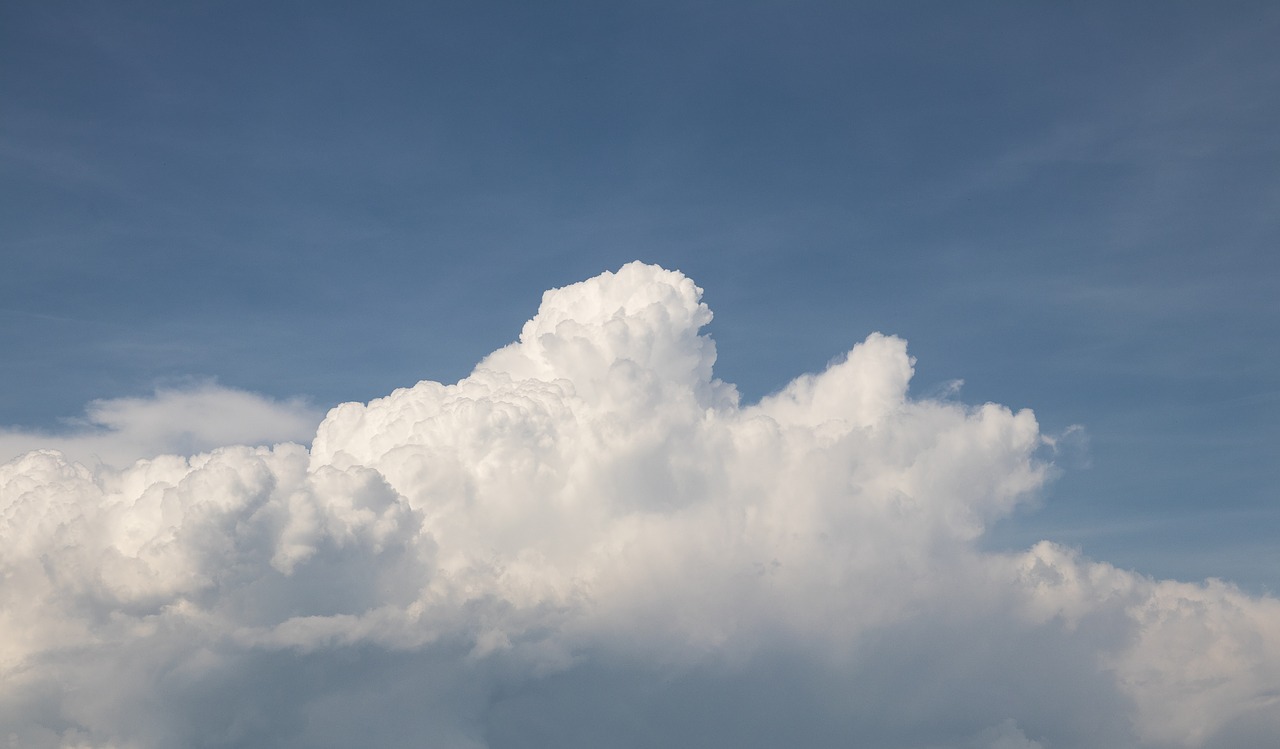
[[218, 221]]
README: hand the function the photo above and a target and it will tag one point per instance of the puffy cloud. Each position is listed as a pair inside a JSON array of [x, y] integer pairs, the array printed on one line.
[[590, 541]]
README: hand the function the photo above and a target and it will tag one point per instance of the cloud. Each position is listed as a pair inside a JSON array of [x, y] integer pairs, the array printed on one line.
[[194, 418], [591, 541]]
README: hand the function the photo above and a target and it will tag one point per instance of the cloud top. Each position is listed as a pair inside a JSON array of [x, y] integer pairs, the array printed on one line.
[[589, 541]]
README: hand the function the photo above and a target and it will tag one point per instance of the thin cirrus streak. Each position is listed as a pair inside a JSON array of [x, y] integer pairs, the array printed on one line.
[[590, 541]]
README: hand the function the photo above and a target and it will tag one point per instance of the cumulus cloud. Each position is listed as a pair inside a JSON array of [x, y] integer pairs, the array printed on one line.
[[187, 419], [590, 541]]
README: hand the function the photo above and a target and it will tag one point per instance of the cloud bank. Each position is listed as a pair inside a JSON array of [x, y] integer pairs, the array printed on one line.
[[590, 541]]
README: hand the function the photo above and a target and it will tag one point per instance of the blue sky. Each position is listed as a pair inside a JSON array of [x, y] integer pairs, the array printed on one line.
[[1072, 208]]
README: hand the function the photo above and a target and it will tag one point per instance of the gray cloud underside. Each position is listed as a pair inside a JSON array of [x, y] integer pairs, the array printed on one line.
[[590, 542]]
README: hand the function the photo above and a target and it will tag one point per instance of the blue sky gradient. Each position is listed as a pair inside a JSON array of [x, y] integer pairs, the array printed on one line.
[[1074, 209]]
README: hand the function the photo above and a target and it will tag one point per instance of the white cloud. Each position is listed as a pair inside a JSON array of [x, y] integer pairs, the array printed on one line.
[[193, 418], [589, 541]]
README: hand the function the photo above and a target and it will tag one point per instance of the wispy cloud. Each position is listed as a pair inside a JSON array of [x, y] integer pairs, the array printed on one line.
[[196, 417]]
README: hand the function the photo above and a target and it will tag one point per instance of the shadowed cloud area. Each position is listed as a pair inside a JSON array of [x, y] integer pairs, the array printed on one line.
[[591, 541]]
